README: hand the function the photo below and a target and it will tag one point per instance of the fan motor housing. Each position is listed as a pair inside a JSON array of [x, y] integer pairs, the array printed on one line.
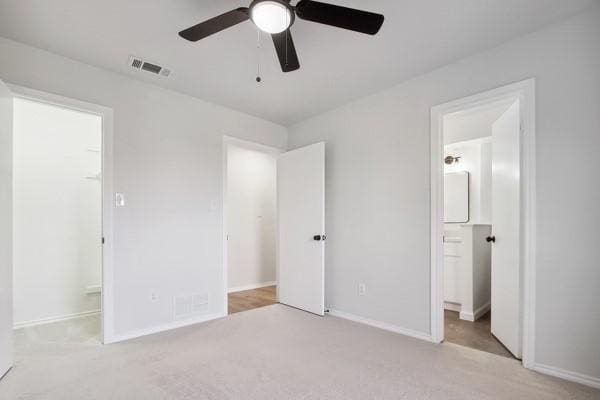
[[286, 4]]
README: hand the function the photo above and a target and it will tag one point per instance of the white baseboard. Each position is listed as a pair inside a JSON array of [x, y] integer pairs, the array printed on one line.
[[381, 325], [567, 375], [49, 320], [162, 328], [250, 287], [475, 315], [94, 289], [452, 306]]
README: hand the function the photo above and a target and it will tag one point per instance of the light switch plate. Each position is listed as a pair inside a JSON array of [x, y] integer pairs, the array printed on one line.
[[362, 289], [119, 200]]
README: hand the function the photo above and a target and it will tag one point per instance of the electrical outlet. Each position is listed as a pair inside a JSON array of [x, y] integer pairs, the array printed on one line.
[[362, 289], [153, 296]]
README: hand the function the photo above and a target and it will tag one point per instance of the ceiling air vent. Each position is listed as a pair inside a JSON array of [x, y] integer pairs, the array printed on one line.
[[153, 68]]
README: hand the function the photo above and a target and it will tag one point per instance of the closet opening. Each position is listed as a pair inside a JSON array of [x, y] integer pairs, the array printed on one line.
[[57, 221]]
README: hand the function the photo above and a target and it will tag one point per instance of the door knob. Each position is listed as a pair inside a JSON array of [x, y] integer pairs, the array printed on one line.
[[490, 239], [319, 237]]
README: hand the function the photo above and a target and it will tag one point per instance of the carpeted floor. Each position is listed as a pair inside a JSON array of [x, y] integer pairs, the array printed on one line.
[[274, 352]]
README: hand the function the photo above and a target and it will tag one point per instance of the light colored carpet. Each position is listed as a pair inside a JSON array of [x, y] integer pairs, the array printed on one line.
[[273, 352]]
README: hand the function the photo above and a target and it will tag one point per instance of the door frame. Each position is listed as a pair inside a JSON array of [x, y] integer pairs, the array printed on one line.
[[246, 144], [525, 92], [106, 114]]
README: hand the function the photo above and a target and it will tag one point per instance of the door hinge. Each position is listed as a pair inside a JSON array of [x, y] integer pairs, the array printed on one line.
[[102, 239]]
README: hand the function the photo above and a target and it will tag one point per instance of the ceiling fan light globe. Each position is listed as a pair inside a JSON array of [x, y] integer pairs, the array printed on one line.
[[271, 16]]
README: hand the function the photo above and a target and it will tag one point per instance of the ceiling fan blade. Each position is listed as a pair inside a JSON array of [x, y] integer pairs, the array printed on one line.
[[215, 24], [286, 51], [341, 17]]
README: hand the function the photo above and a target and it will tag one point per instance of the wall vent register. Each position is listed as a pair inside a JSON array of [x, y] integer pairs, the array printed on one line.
[[190, 305]]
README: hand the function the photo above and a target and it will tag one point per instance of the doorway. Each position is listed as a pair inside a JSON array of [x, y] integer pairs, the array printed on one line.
[[475, 149], [60, 192], [273, 226], [57, 223], [482, 221], [250, 198]]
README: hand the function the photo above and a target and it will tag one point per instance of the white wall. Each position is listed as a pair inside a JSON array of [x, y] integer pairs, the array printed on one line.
[[473, 123], [482, 267], [475, 158], [251, 216], [474, 269], [378, 198], [467, 134], [168, 163], [57, 212]]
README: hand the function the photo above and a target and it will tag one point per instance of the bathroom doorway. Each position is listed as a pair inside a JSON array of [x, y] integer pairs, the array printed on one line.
[[481, 221], [469, 165]]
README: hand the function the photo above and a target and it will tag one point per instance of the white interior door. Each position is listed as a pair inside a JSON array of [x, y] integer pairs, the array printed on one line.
[[6, 233], [506, 321], [301, 220]]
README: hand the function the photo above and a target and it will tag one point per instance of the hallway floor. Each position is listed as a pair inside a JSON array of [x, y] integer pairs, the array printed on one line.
[[250, 299], [476, 335]]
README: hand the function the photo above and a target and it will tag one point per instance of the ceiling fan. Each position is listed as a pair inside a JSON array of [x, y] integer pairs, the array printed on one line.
[[275, 17]]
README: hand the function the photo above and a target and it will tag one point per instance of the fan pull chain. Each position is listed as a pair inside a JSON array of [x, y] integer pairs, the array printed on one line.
[[286, 39], [258, 79]]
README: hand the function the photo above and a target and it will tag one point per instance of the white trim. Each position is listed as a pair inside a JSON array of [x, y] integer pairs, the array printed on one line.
[[381, 325], [483, 107], [250, 287], [164, 327], [568, 375], [475, 315], [94, 289], [49, 320], [107, 189], [529, 244], [525, 91], [230, 140], [436, 327], [227, 141], [452, 306]]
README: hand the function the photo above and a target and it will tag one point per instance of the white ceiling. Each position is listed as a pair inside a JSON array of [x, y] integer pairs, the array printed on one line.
[[337, 66]]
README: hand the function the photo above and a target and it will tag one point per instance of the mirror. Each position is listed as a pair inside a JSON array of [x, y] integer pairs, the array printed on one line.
[[456, 197]]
